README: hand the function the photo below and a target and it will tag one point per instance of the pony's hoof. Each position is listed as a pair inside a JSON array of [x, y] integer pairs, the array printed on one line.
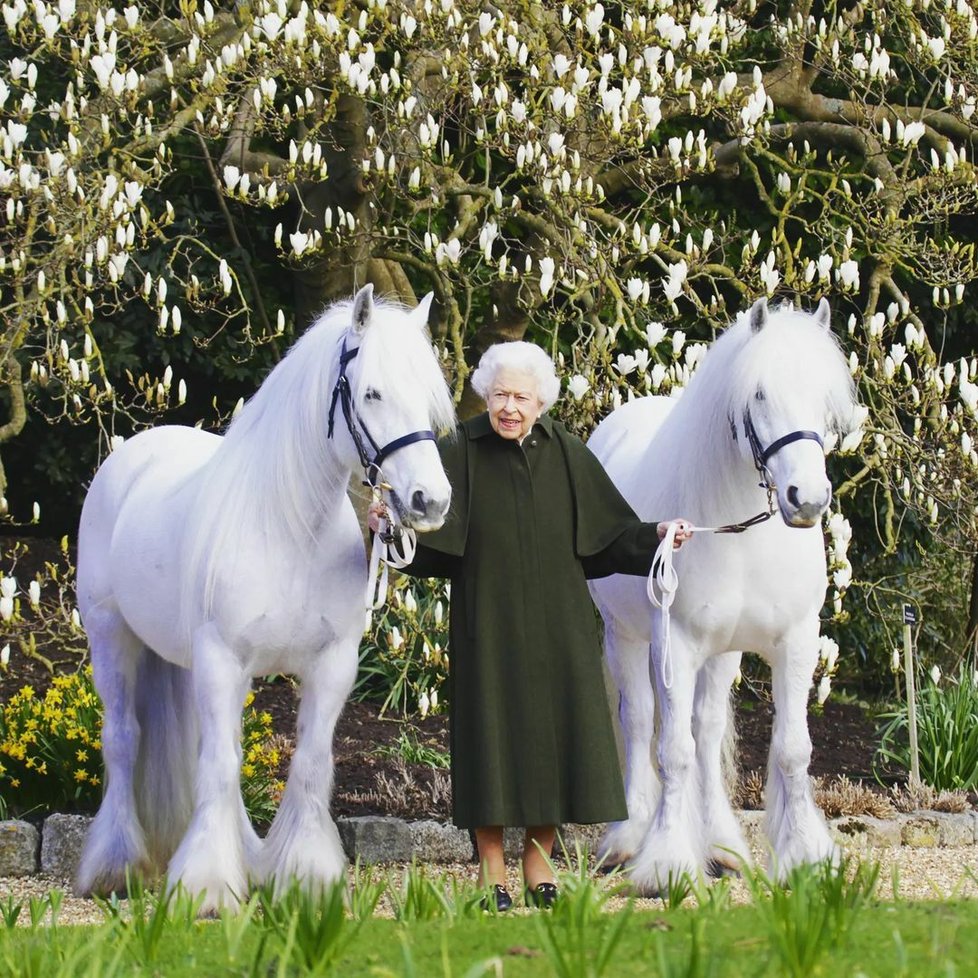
[[613, 863], [717, 869]]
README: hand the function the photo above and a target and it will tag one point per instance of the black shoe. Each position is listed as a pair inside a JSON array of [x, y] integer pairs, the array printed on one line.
[[500, 897], [544, 896]]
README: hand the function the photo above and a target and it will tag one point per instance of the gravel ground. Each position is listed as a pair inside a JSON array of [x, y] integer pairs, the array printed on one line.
[[906, 873]]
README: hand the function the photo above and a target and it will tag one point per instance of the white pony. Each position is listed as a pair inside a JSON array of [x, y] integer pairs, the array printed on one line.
[[204, 561], [756, 411]]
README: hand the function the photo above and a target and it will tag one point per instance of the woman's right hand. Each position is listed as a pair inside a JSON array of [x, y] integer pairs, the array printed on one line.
[[684, 531], [376, 512]]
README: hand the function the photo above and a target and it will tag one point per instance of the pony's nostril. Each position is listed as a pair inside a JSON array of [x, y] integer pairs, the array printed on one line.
[[438, 508], [793, 496], [419, 504]]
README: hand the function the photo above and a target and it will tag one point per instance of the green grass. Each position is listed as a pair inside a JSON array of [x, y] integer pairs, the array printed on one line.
[[883, 940], [410, 749]]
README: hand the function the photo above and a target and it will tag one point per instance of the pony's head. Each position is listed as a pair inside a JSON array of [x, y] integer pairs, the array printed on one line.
[[790, 389], [389, 398]]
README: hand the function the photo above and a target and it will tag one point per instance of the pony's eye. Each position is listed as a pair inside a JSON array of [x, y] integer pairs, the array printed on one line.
[[759, 395], [372, 394]]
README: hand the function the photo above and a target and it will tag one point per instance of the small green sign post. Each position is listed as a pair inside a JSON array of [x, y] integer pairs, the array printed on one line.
[[910, 618]]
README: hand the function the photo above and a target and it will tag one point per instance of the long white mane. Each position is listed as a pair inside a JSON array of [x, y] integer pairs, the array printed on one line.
[[275, 469], [794, 362]]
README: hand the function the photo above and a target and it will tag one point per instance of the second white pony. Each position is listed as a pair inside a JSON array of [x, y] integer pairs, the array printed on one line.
[[766, 396]]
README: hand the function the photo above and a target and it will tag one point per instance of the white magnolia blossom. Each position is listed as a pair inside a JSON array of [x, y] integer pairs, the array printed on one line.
[[676, 277], [547, 266], [578, 386], [655, 333], [625, 364]]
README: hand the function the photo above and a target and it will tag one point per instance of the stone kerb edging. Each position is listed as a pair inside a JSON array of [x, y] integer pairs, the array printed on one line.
[[54, 850]]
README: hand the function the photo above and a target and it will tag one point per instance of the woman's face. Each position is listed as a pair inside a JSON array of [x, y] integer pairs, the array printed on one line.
[[513, 402]]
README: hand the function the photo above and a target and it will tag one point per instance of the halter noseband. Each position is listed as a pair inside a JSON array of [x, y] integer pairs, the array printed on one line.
[[762, 455], [358, 430]]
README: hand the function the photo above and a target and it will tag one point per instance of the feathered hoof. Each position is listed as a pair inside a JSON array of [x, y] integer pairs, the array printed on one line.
[[213, 896], [613, 863], [718, 869], [659, 881], [106, 883]]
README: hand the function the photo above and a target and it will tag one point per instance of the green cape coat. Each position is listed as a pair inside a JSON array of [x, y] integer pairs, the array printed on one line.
[[532, 741]]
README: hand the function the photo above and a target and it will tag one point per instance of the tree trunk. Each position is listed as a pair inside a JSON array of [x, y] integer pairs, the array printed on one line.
[[11, 377], [344, 268]]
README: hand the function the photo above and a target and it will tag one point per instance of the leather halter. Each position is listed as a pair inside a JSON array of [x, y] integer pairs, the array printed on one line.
[[761, 455], [358, 430]]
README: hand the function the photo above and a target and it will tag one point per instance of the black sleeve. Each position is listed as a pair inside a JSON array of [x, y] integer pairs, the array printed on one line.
[[631, 552], [432, 563]]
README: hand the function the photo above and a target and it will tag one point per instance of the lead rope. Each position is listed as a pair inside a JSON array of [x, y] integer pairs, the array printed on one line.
[[663, 580], [383, 556]]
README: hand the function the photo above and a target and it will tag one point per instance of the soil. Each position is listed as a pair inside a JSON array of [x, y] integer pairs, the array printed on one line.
[[843, 738], [373, 778]]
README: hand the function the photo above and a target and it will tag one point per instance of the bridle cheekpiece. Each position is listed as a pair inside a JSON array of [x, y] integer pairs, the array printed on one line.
[[343, 393]]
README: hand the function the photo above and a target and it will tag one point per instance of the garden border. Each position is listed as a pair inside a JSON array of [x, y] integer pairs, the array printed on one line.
[[55, 847]]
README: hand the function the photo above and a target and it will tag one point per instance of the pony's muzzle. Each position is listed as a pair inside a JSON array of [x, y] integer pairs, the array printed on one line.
[[425, 510], [801, 512]]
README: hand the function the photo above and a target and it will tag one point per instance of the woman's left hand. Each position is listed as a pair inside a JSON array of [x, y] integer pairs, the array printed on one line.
[[684, 531]]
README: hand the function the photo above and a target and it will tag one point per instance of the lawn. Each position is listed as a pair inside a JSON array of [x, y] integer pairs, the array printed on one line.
[[826, 922]]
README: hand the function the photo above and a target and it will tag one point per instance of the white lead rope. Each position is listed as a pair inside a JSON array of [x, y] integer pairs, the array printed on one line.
[[662, 585], [383, 556]]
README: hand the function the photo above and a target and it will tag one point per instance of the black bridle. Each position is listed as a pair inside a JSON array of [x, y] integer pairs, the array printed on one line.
[[361, 436], [761, 456]]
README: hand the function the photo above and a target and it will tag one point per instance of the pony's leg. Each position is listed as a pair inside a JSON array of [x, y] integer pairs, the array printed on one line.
[[115, 841], [674, 844], [795, 827], [713, 732], [628, 661], [209, 862], [303, 842]]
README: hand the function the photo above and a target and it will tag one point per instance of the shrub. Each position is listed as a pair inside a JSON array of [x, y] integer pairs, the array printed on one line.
[[51, 751], [947, 734], [404, 657]]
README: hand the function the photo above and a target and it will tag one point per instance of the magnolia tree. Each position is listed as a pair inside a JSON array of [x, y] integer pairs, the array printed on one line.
[[614, 180]]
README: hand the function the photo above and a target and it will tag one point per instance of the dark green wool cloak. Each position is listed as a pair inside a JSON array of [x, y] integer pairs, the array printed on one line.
[[531, 734]]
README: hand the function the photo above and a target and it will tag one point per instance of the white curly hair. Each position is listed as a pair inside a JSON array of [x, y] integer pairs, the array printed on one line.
[[523, 357]]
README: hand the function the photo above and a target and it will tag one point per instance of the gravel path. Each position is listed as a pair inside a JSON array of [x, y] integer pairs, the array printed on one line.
[[906, 873]]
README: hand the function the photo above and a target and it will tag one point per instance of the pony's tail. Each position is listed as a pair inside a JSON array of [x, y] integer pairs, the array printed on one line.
[[167, 761]]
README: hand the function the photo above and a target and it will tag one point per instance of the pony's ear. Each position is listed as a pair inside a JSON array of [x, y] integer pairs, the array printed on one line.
[[423, 309], [823, 314], [758, 315], [363, 308]]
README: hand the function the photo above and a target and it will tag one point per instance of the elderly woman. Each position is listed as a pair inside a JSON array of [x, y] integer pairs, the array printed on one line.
[[533, 516]]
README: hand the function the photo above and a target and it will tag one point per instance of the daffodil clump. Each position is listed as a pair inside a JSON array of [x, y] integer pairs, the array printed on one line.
[[404, 658], [51, 751], [261, 788], [50, 747]]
